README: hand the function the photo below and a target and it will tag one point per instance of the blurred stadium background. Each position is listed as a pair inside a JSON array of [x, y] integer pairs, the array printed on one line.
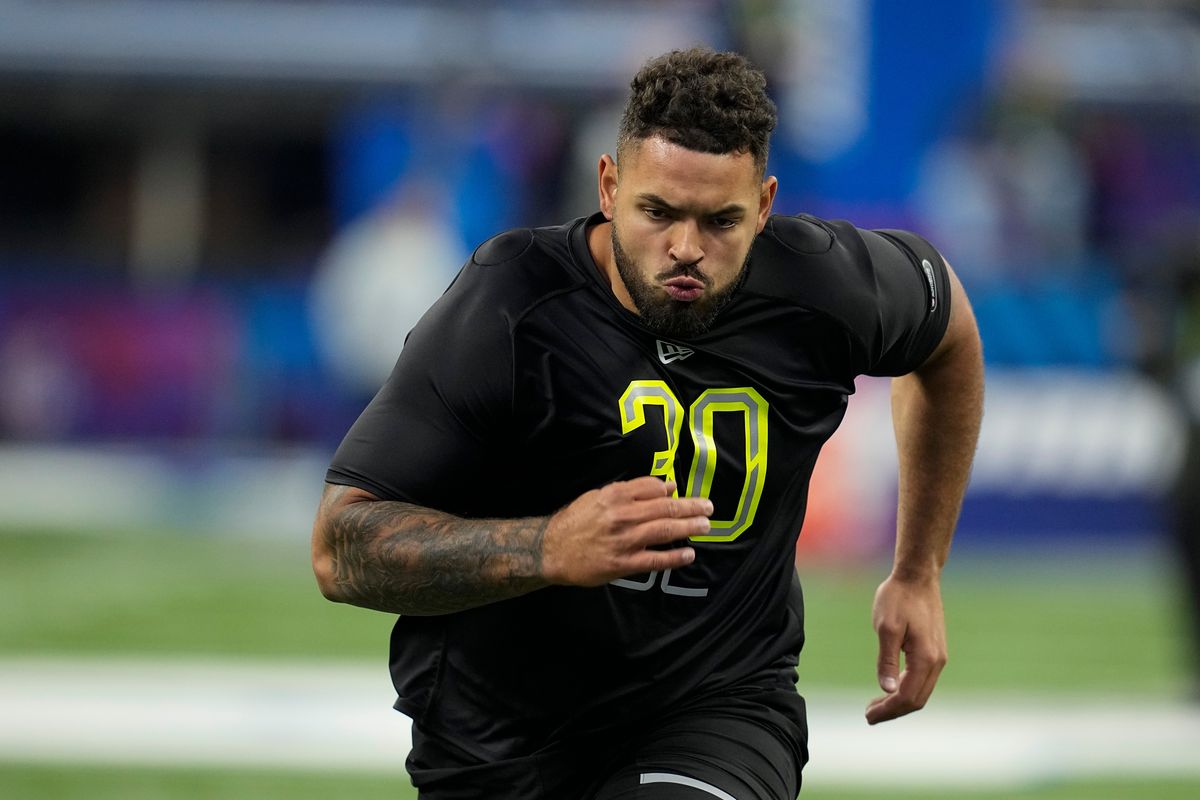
[[219, 219]]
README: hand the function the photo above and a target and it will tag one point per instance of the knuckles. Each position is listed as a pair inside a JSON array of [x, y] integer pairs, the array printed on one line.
[[889, 629]]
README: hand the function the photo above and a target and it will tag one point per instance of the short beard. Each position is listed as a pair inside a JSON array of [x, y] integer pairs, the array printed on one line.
[[674, 319]]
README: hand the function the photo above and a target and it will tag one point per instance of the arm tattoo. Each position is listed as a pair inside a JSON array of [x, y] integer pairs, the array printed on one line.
[[406, 559]]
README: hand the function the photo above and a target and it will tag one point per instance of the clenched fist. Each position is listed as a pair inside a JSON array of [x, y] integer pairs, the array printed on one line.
[[610, 532]]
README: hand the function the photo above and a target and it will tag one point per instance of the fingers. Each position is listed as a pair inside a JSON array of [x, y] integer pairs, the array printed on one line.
[[907, 617], [664, 508], [644, 488], [649, 500], [659, 495], [661, 560], [887, 671], [913, 689], [619, 530], [636, 543], [905, 700], [656, 517], [887, 665], [667, 519]]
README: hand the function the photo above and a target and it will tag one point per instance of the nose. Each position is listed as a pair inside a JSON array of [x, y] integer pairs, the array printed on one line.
[[686, 247]]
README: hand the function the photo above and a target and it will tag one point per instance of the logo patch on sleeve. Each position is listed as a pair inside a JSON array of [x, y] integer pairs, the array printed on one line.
[[927, 268], [668, 352]]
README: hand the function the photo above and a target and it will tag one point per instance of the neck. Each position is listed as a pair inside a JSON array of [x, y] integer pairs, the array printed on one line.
[[599, 239]]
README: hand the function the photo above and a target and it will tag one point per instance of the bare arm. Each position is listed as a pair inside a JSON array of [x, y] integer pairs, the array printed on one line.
[[407, 559], [936, 412], [403, 558]]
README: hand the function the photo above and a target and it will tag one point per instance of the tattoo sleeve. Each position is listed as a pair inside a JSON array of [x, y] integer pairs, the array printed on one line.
[[406, 559]]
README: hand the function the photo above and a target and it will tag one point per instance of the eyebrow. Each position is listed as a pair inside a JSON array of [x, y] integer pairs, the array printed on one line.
[[729, 210]]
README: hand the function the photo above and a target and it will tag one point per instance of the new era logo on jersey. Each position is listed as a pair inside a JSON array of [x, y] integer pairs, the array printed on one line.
[[668, 352]]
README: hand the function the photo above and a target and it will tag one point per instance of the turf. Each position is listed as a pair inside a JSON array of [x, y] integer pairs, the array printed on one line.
[[168, 594], [1060, 622], [126, 783], [1054, 622]]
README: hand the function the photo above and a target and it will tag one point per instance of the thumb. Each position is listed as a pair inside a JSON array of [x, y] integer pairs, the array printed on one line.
[[887, 668]]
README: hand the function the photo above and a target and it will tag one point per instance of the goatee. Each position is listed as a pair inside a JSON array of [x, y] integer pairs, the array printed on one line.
[[674, 319]]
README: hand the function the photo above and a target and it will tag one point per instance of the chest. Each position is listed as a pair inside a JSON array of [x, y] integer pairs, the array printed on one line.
[[727, 416]]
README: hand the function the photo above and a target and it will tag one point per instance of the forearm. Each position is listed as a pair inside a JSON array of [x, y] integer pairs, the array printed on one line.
[[936, 413], [406, 559]]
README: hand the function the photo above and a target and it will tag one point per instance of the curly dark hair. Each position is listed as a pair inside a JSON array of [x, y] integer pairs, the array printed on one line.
[[702, 100]]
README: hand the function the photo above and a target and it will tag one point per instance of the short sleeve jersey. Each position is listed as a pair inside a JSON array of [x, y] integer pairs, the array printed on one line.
[[528, 384]]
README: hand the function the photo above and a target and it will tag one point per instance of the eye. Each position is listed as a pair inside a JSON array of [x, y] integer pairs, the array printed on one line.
[[655, 213], [724, 223]]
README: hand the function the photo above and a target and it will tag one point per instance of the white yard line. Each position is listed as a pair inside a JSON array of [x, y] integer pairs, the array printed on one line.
[[200, 712], [314, 716]]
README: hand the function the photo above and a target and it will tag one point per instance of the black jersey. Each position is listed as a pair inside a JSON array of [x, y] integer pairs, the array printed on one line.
[[528, 384]]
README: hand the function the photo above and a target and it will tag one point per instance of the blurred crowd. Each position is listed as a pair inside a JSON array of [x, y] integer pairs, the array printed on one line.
[[208, 237], [185, 257]]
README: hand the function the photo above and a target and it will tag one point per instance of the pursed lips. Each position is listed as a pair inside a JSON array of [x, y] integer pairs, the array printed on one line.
[[683, 288]]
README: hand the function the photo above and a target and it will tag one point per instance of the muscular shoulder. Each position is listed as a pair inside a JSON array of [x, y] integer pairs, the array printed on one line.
[[888, 289], [803, 258], [516, 269], [469, 329], [830, 266]]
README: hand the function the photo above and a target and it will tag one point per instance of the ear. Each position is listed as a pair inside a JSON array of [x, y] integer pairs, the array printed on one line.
[[765, 199], [607, 182]]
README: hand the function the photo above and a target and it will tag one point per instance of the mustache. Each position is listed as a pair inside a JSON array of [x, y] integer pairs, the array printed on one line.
[[683, 271]]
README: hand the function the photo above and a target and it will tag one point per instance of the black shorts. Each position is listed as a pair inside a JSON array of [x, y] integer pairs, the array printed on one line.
[[747, 745]]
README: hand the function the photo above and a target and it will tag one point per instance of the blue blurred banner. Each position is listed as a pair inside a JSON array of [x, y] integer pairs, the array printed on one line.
[[897, 78]]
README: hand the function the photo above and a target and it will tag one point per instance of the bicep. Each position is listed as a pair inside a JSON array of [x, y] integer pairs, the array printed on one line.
[[907, 301], [335, 499], [962, 333]]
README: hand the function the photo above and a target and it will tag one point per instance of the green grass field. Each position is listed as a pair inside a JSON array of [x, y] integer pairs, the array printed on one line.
[[1104, 625], [1066, 624], [109, 783]]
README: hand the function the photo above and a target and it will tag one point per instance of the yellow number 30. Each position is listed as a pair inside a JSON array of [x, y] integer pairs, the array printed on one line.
[[742, 400]]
